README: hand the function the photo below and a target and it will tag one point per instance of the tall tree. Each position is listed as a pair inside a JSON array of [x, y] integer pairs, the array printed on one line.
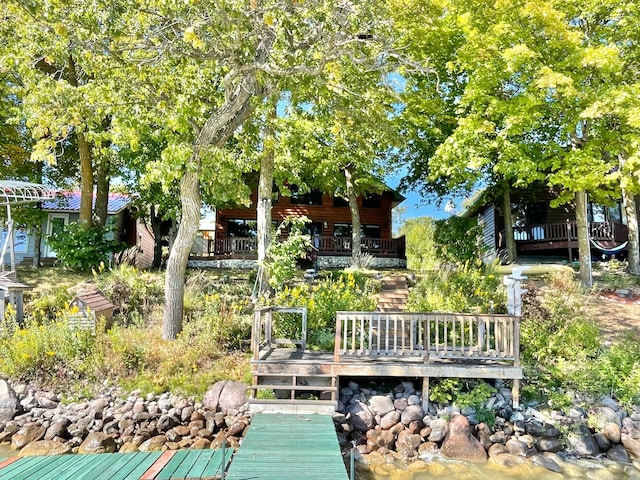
[[48, 48], [200, 71]]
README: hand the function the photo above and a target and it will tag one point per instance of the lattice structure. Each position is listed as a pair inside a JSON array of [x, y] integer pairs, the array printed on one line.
[[16, 193], [13, 193]]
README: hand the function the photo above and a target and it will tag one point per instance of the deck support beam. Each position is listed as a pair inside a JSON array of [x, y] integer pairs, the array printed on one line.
[[425, 394]]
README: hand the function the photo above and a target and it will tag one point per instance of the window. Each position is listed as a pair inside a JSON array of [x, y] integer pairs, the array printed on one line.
[[371, 201], [371, 231], [340, 202], [314, 197], [238, 227], [341, 229]]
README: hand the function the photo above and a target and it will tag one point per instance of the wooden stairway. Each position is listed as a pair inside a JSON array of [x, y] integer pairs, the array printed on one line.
[[293, 388], [393, 294]]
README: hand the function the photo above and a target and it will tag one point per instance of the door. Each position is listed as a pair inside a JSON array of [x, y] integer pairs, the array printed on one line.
[[55, 224]]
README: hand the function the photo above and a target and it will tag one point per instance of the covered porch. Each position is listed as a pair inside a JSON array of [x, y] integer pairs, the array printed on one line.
[[555, 236], [321, 245]]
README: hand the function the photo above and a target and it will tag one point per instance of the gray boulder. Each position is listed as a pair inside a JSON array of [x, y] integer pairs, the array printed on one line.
[[9, 402], [98, 442]]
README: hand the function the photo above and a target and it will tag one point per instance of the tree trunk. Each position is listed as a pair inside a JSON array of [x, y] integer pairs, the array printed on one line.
[[355, 215], [265, 189], [86, 181], [187, 231], [102, 193], [584, 249], [218, 128], [156, 228], [631, 210], [509, 240], [86, 162], [37, 245]]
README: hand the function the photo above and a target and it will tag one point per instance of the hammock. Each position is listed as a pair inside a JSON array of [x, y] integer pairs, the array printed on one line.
[[609, 251]]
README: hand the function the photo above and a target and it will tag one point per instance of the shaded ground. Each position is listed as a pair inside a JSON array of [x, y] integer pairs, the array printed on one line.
[[617, 315]]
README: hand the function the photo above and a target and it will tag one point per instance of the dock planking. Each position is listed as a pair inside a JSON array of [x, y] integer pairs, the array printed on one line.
[[184, 464], [283, 446]]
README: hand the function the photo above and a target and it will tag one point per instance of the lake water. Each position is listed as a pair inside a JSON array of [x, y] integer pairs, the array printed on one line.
[[439, 468], [6, 451]]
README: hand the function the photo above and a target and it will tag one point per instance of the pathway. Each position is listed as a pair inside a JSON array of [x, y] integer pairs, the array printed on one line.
[[393, 294]]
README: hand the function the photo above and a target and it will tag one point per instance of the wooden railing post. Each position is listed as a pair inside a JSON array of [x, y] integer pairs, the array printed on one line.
[[336, 351]]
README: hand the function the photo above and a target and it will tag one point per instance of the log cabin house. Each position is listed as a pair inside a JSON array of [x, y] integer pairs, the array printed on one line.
[[230, 239], [543, 231]]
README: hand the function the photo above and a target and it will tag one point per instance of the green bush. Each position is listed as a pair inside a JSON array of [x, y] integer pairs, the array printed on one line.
[[458, 240], [83, 248], [134, 294], [46, 352], [340, 291], [562, 351], [468, 288]]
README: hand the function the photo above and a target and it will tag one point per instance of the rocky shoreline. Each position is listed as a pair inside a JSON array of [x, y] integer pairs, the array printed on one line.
[[35, 422], [391, 428], [385, 428]]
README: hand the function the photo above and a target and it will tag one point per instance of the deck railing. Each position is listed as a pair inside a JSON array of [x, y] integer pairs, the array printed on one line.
[[322, 245], [264, 331], [598, 231], [438, 335]]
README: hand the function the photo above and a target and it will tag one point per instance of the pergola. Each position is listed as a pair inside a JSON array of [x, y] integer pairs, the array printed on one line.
[[16, 193]]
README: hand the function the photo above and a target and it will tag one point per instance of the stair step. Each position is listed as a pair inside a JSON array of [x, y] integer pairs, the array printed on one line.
[[302, 388], [305, 407]]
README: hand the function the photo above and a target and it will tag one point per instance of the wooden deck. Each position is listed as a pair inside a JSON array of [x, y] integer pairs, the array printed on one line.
[[176, 464], [381, 344], [296, 447]]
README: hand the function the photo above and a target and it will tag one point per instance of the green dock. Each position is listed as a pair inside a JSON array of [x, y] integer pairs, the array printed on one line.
[[180, 464], [283, 446], [276, 446]]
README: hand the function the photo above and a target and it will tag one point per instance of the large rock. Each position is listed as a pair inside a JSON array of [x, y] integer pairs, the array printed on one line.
[[632, 445], [9, 402], [612, 432], [461, 444], [439, 429], [362, 417], [390, 419], [381, 405], [411, 413], [225, 395], [582, 444], [98, 442], [27, 434], [154, 444], [44, 447]]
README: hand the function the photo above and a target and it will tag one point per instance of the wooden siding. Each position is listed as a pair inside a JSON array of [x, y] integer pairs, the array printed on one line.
[[317, 213]]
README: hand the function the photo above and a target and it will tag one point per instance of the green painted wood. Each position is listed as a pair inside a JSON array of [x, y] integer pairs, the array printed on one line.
[[26, 467], [211, 464], [62, 466], [174, 464], [279, 446], [128, 466], [188, 464]]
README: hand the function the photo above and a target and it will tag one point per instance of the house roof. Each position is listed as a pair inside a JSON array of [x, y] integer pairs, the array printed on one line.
[[70, 202]]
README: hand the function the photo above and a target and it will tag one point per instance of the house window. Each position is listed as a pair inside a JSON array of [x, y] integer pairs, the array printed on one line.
[[371, 201], [371, 231], [314, 197], [341, 229], [340, 202], [238, 227]]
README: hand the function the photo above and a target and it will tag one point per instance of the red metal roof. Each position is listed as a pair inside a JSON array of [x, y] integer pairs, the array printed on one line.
[[70, 202]]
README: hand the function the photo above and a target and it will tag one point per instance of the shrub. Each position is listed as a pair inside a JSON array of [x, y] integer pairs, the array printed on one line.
[[340, 291], [458, 240], [83, 248], [283, 253], [468, 288]]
